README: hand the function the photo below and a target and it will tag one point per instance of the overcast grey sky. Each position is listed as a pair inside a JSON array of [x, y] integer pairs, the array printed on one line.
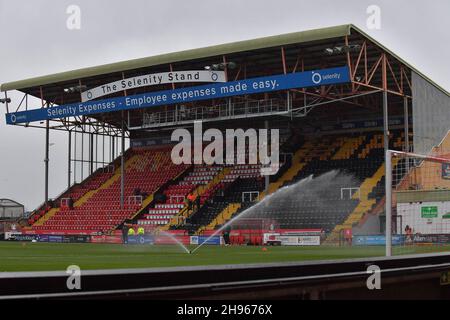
[[35, 41]]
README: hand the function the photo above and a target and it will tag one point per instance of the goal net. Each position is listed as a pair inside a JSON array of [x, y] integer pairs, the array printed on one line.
[[418, 191]]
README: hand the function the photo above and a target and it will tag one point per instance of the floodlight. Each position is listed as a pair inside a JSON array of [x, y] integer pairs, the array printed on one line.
[[221, 66], [75, 89], [342, 49], [329, 51]]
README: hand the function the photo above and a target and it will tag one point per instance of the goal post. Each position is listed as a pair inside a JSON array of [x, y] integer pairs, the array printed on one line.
[[389, 188], [417, 199]]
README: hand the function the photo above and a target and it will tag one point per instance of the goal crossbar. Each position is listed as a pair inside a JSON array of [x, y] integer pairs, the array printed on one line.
[[419, 156]]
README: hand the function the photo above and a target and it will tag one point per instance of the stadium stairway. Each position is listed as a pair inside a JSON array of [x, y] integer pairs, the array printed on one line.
[[231, 192], [222, 218], [93, 182], [349, 148], [75, 192], [46, 217], [99, 209], [297, 165], [202, 188], [89, 194], [375, 142], [82, 200], [85, 198], [147, 203], [79, 192], [205, 191], [324, 148], [208, 191], [227, 206], [365, 205], [300, 159], [368, 196]]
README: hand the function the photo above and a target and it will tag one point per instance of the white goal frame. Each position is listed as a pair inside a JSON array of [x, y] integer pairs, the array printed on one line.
[[390, 154]]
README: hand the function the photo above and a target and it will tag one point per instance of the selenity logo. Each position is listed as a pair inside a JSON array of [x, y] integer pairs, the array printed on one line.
[[237, 147], [316, 78]]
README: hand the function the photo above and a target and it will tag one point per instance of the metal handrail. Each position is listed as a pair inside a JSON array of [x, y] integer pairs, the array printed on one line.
[[247, 108]]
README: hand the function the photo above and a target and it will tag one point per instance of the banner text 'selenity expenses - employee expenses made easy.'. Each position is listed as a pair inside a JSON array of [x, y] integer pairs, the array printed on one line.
[[188, 94], [146, 100]]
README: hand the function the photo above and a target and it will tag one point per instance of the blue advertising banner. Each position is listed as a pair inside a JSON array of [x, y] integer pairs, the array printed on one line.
[[43, 238], [63, 238], [22, 237], [377, 240], [168, 97], [147, 142], [198, 240], [363, 124], [55, 239], [147, 239]]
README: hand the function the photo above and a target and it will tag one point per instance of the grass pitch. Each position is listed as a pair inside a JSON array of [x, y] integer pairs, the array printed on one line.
[[57, 257]]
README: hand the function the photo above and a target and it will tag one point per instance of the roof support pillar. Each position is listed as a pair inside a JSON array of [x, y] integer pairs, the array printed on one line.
[[75, 155], [388, 176], [112, 148], [406, 112], [122, 167], [82, 152], [349, 63], [47, 146], [6, 102], [283, 60], [267, 177], [91, 153], [47, 158], [69, 160], [388, 204]]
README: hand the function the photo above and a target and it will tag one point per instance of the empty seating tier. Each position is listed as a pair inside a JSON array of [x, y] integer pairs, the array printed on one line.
[[102, 211]]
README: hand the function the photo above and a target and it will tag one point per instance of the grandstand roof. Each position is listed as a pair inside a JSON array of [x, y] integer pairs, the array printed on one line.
[[9, 203], [218, 50], [267, 42]]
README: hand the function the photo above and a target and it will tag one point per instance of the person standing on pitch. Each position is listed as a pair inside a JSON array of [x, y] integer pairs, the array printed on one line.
[[226, 235], [141, 233], [131, 232], [125, 229]]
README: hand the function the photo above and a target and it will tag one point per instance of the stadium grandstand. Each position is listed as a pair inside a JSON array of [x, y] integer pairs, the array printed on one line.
[[339, 98], [10, 213], [11, 210]]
